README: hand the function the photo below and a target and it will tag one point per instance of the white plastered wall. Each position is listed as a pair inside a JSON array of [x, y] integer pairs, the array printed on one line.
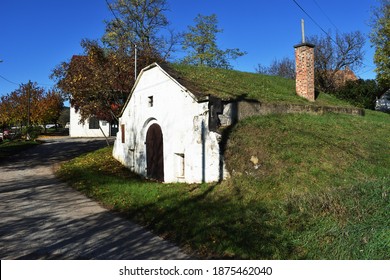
[[77, 129], [184, 124]]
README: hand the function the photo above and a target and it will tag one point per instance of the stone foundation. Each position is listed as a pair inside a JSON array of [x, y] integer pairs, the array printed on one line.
[[239, 110]]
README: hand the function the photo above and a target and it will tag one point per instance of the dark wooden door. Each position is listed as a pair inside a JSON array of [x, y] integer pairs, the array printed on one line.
[[114, 128], [155, 153]]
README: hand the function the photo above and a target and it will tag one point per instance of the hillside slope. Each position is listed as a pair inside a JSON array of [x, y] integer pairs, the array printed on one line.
[[231, 84], [301, 187], [328, 177]]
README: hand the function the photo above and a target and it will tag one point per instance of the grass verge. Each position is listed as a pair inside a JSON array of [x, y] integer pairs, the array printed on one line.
[[9, 148], [318, 190]]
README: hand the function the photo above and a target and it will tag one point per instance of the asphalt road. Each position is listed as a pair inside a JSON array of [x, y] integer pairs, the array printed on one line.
[[42, 218]]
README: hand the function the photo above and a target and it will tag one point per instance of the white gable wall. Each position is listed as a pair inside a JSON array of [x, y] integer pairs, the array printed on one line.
[[77, 129], [181, 119]]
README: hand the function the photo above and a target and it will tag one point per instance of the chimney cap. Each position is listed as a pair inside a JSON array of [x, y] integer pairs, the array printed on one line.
[[304, 45]]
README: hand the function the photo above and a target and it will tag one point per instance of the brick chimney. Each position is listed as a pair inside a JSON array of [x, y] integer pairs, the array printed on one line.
[[304, 61]]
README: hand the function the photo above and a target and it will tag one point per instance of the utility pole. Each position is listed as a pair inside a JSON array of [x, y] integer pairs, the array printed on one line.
[[1, 61], [28, 108], [28, 103]]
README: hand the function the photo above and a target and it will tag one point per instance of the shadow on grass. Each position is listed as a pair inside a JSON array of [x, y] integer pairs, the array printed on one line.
[[216, 228], [213, 221]]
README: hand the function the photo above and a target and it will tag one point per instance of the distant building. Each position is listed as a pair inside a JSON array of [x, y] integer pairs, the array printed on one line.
[[383, 103], [91, 127], [343, 76]]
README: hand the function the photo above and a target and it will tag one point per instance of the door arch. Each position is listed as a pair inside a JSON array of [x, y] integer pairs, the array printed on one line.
[[155, 153]]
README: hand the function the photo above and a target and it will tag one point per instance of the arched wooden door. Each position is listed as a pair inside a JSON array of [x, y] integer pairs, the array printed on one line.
[[155, 153]]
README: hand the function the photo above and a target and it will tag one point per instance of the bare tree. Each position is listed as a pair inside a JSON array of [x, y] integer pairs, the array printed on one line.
[[283, 68], [335, 55]]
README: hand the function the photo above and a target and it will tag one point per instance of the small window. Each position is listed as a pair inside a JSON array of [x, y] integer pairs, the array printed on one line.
[[180, 165], [150, 101], [93, 123], [123, 133]]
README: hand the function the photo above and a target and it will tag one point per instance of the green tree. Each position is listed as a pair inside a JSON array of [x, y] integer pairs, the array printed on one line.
[[64, 116], [201, 44], [140, 23], [380, 38], [361, 93]]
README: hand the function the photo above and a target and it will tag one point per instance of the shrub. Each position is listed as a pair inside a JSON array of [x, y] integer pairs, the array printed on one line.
[[32, 132], [361, 93]]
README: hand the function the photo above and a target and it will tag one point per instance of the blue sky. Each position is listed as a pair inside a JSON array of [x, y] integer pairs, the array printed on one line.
[[36, 35]]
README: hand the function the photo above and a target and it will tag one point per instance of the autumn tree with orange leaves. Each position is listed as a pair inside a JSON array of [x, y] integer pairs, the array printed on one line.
[[44, 107], [98, 82]]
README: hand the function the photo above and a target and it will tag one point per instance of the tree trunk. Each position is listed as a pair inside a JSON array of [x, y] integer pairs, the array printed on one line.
[[108, 143]]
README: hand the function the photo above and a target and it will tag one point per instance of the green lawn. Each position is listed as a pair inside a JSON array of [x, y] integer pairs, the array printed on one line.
[[319, 190]]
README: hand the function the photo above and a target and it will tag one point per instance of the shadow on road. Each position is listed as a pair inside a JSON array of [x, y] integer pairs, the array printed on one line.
[[43, 218], [52, 151]]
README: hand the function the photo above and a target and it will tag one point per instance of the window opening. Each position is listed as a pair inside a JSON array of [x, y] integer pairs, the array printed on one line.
[[93, 123], [150, 101], [180, 165]]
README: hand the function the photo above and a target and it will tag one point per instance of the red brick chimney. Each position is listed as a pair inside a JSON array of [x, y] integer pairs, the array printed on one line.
[[304, 60]]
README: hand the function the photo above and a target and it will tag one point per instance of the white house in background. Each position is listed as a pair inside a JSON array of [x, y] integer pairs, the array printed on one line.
[[90, 128], [165, 131]]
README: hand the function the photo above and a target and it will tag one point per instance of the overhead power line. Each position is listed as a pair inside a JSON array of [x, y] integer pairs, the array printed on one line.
[[323, 30], [328, 18], [14, 83], [371, 68], [11, 82], [123, 29], [118, 20], [314, 21]]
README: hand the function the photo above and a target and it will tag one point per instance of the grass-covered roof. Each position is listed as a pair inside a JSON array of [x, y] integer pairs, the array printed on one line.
[[231, 84]]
